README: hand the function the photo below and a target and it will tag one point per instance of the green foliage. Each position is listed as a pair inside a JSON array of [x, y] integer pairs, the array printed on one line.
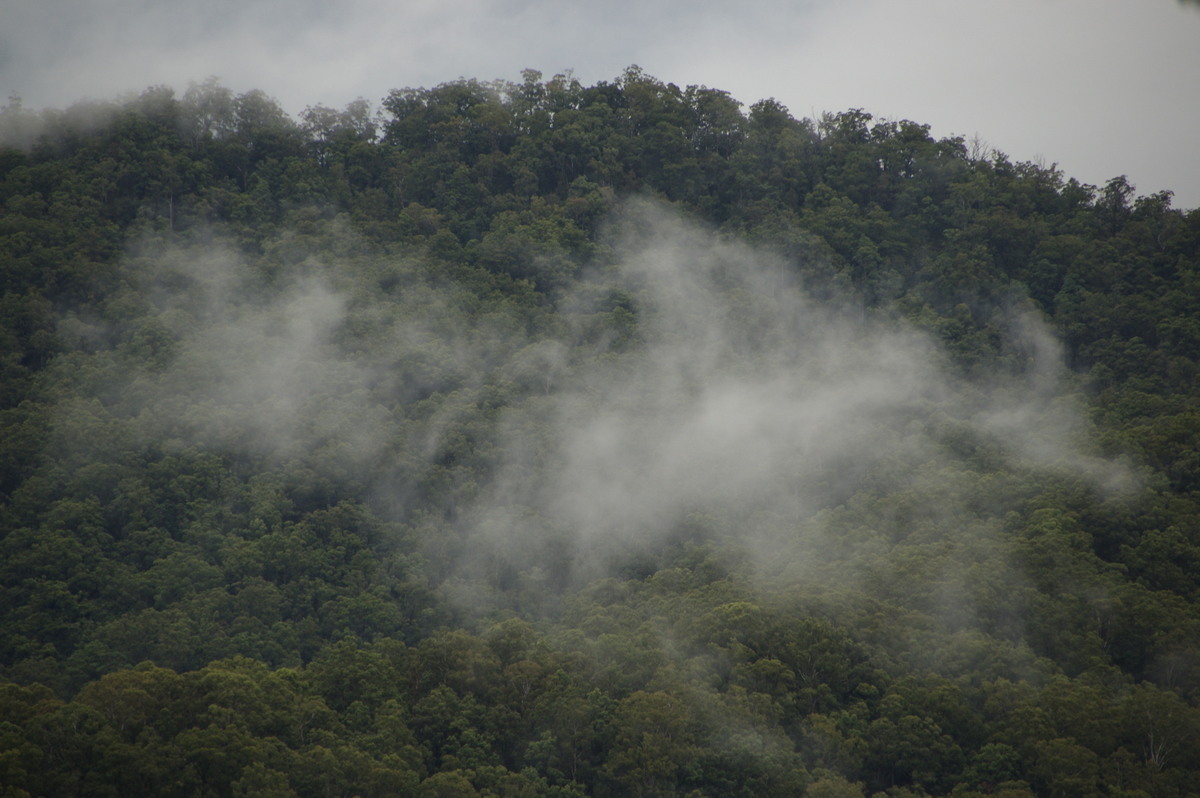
[[271, 389]]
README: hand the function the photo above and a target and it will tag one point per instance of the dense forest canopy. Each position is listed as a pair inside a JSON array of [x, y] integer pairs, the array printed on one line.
[[541, 439]]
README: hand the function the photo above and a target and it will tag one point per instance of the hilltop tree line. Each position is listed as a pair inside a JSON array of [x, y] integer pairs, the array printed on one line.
[[207, 589]]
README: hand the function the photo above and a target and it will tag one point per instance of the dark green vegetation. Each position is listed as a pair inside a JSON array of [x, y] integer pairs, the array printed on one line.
[[358, 456]]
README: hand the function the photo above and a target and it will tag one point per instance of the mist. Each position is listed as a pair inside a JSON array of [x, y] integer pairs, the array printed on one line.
[[724, 405], [751, 415]]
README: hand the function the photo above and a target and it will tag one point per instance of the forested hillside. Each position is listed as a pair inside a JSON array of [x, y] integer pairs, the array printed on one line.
[[541, 439]]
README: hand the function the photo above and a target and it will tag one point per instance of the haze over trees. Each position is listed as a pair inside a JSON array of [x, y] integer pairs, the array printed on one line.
[[541, 439]]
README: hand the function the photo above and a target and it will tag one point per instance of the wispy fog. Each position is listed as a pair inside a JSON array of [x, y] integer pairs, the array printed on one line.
[[751, 408], [722, 404]]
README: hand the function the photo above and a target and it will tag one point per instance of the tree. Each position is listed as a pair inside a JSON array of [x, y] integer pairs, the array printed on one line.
[[653, 744]]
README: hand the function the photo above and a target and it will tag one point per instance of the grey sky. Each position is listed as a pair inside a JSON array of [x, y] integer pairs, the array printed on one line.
[[1101, 87]]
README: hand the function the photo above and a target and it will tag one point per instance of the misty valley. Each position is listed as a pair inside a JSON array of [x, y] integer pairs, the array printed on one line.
[[541, 439]]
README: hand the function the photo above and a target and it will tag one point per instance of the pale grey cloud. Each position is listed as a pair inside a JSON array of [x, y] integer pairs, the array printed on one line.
[[753, 411], [1102, 87]]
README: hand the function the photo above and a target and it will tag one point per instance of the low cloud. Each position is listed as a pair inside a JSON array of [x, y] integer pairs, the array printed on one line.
[[749, 410], [735, 409]]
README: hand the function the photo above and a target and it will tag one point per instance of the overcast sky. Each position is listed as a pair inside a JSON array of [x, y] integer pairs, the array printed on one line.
[[1100, 87]]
